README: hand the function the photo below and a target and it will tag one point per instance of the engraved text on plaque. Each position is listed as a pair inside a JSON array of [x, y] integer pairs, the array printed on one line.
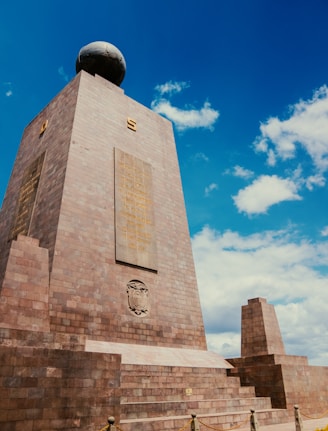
[[134, 212], [27, 195]]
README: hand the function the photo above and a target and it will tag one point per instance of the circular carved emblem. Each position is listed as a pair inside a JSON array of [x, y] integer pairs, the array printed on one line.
[[138, 299]]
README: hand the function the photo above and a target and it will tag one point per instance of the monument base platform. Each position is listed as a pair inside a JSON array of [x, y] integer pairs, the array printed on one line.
[[50, 380], [137, 354], [287, 379]]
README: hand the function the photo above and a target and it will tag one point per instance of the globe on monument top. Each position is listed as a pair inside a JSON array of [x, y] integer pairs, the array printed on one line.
[[104, 59]]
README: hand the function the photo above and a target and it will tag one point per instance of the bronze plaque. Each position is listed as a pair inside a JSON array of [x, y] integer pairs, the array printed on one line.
[[134, 212], [27, 195]]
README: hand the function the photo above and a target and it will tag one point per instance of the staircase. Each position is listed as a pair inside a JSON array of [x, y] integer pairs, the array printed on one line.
[[159, 398]]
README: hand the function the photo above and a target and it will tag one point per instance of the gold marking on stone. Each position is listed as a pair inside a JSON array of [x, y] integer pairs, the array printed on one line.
[[131, 124], [43, 127]]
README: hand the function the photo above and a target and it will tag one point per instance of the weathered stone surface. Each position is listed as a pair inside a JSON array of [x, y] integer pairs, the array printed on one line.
[[24, 300], [287, 379], [260, 329], [47, 389], [76, 209]]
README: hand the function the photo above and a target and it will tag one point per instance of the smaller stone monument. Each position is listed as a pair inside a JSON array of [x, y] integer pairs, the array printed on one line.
[[289, 380]]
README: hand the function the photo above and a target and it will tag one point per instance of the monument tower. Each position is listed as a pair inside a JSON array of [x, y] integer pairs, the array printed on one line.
[[99, 306], [96, 182], [96, 268]]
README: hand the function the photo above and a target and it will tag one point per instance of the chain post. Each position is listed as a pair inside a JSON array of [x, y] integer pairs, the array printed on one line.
[[194, 426], [298, 419], [253, 421], [111, 422]]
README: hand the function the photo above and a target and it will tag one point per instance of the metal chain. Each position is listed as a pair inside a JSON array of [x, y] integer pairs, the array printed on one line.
[[318, 417], [185, 425], [120, 429], [226, 429]]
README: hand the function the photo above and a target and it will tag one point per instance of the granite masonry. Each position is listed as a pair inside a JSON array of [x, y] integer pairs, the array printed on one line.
[[287, 379], [97, 224], [99, 306]]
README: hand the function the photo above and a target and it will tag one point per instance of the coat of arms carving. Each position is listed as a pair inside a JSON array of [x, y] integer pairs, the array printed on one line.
[[138, 297]]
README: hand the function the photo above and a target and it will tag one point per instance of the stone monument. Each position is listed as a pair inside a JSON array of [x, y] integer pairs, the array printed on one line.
[[96, 182], [288, 380], [99, 307], [96, 267]]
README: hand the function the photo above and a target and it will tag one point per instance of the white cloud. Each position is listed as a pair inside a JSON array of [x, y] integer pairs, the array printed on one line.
[[171, 87], [275, 265], [187, 118], [224, 343], [272, 160], [200, 157], [264, 192], [324, 231], [306, 127], [8, 88], [239, 171], [183, 119], [261, 145], [315, 180], [63, 74], [210, 188]]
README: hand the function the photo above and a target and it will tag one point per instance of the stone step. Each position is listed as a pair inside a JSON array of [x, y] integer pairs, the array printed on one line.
[[160, 398], [139, 394], [180, 377], [174, 408], [168, 380], [178, 383], [223, 421], [156, 370]]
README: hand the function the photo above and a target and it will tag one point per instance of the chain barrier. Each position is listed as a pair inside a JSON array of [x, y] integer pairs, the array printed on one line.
[[113, 426], [317, 417], [107, 427], [186, 425], [226, 429], [299, 415], [111, 422]]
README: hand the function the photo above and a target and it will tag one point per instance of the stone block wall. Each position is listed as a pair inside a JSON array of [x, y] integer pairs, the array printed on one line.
[[54, 144], [24, 300], [267, 381], [45, 389], [73, 216], [46, 340], [290, 382], [88, 286], [287, 379], [306, 386], [260, 332]]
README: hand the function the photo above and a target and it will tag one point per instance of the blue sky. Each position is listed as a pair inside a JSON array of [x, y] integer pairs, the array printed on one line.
[[245, 84]]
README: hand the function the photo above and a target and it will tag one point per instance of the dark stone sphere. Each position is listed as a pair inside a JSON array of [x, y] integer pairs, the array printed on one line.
[[104, 59]]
